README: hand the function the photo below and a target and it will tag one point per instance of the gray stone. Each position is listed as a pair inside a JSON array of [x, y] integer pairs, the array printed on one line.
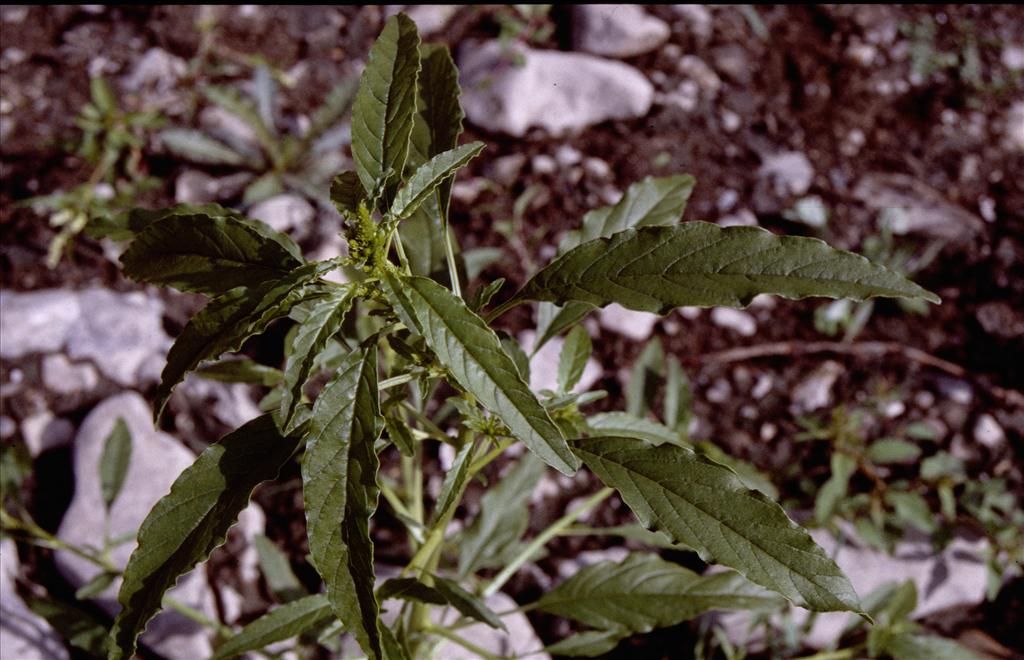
[[815, 390], [24, 635], [741, 218], [559, 92], [7, 427], [506, 170], [62, 376], [999, 319], [122, 334], [36, 321], [617, 30], [157, 460], [695, 68], [519, 640], [195, 187], [635, 325], [923, 210], [289, 214], [697, 19], [734, 319], [988, 432], [43, 432], [431, 19], [790, 173]]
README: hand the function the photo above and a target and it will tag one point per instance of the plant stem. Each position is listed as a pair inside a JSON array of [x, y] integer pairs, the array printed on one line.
[[542, 539], [501, 309], [190, 612]]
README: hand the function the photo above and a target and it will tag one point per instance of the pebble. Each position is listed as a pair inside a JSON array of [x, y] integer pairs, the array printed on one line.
[[1014, 131], [762, 387], [617, 30], [719, 392], [1012, 57], [287, 213], [815, 390], [741, 218], [696, 69], [24, 635], [559, 92], [790, 173], [43, 432], [734, 319], [731, 122], [697, 18], [635, 325], [62, 376], [988, 432], [544, 365]]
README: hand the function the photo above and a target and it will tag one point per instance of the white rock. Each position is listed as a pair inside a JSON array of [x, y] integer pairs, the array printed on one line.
[[62, 376], [617, 30], [430, 19], [731, 122], [24, 635], [734, 319], [1014, 131], [597, 168], [121, 333], [520, 640], [988, 432], [506, 170], [741, 218], [36, 321], [1012, 57], [567, 156], [288, 214], [544, 365], [544, 164], [157, 460], [43, 432], [815, 390], [195, 187], [695, 68], [685, 97], [156, 69], [790, 173], [698, 18], [7, 427], [762, 387], [635, 325], [559, 92]]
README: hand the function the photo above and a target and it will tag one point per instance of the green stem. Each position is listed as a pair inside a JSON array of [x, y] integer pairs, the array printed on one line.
[[542, 539], [222, 631], [501, 309]]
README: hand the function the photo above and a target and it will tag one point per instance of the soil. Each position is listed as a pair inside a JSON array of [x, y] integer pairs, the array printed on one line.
[[798, 90]]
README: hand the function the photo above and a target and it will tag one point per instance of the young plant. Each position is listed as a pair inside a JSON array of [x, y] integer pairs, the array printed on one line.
[[415, 364]]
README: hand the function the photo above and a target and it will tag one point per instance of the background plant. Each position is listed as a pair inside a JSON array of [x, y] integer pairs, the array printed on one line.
[[399, 342]]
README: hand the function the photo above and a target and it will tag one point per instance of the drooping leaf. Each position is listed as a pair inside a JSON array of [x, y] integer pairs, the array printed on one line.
[[188, 523], [654, 269], [625, 425], [277, 571], [117, 454], [454, 481], [207, 254], [339, 480], [382, 116], [241, 371], [705, 506], [472, 353], [645, 592], [323, 322], [589, 643], [834, 490], [503, 517], [427, 177], [442, 592], [347, 192], [229, 320], [198, 147], [647, 203], [279, 624], [575, 352]]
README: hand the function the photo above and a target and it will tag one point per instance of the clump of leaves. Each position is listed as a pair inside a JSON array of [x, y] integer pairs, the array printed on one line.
[[112, 141], [392, 338]]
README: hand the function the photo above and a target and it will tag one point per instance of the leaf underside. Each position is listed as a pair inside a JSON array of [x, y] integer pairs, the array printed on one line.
[[425, 181], [187, 524], [704, 505], [339, 481], [277, 625], [654, 269]]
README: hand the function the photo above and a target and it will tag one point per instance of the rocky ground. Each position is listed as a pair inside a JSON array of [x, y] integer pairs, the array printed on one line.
[[893, 130]]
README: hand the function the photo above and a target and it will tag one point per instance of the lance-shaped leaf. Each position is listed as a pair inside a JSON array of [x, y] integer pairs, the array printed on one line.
[[323, 322], [198, 147], [188, 523], [227, 321], [208, 254], [385, 104], [705, 506], [472, 353], [117, 454], [647, 203], [339, 483], [589, 643], [654, 269], [553, 320], [454, 483], [623, 424], [347, 192], [427, 177], [645, 592], [573, 358], [442, 592], [277, 625]]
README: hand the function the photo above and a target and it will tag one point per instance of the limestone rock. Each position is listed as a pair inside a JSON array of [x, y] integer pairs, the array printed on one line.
[[635, 325], [288, 214], [617, 30], [24, 635]]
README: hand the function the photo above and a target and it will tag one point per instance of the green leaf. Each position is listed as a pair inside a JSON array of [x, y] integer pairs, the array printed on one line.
[[645, 592], [187, 524], [198, 147], [442, 592], [323, 322], [625, 425], [95, 586], [644, 377], [117, 455], [241, 371], [227, 321], [834, 490], [208, 254], [339, 477], [347, 193], [893, 450], [912, 509], [654, 269], [454, 481], [678, 397], [277, 625], [277, 570], [589, 643], [426, 179], [926, 647], [382, 116], [647, 203], [472, 353], [575, 352], [751, 477], [518, 355], [246, 110], [503, 517], [553, 320], [705, 506]]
